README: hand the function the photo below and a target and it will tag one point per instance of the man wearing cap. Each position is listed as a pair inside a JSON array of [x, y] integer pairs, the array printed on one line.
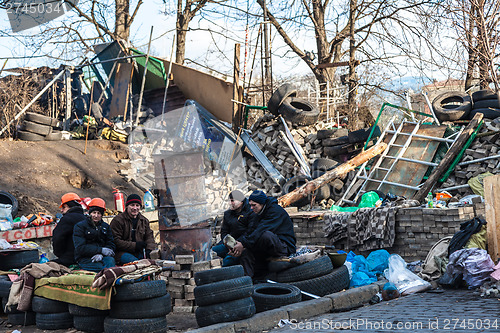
[[62, 236], [235, 223], [133, 237], [271, 235], [94, 246]]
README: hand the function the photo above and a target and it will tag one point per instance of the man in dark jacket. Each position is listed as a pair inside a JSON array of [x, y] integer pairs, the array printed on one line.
[[133, 237], [62, 236], [271, 235], [94, 246], [235, 223]]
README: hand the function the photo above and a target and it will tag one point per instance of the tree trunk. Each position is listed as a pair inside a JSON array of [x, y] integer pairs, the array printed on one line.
[[180, 47], [339, 172], [351, 99], [471, 62], [122, 19]]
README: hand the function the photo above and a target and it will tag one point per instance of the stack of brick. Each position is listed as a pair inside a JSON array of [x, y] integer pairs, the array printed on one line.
[[308, 229], [179, 275], [481, 147]]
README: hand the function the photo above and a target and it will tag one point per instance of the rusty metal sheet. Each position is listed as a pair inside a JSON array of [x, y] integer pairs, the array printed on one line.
[[121, 89], [404, 172], [195, 241]]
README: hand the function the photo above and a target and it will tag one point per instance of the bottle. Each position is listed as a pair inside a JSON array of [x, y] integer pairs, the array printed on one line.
[[43, 259], [149, 201], [119, 200], [430, 203]]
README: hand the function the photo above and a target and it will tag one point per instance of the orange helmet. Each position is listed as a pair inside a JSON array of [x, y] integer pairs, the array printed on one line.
[[69, 197], [97, 202]]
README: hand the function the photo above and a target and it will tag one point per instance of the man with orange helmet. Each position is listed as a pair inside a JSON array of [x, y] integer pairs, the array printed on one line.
[[62, 236], [94, 245]]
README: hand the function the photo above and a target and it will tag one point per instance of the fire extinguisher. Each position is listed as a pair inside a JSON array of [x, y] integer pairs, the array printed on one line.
[[119, 201]]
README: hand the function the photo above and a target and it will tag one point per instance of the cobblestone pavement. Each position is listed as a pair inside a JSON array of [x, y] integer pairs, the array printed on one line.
[[452, 310]]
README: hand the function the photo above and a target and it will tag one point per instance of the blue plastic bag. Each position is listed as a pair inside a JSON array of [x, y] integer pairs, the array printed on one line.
[[378, 261], [360, 279]]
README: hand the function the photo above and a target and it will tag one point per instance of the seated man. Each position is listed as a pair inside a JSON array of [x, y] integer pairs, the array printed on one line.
[[62, 236], [94, 246], [271, 235], [235, 223], [133, 237]]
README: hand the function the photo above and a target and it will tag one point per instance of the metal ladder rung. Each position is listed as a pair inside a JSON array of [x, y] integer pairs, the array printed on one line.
[[383, 169], [414, 161], [420, 136], [395, 145], [390, 183]]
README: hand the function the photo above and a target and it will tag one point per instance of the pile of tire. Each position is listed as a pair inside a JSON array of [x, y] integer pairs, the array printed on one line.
[[88, 319], [37, 127], [14, 316], [486, 102], [139, 307], [18, 259], [51, 314], [293, 109], [268, 296], [317, 277], [223, 295], [453, 105]]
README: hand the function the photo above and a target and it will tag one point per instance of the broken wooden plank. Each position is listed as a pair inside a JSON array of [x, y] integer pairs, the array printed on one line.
[[119, 101], [448, 158], [492, 208], [339, 172]]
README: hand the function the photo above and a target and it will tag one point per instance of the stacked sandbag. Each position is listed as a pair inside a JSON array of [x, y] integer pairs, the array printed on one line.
[[51, 314], [37, 127], [485, 101], [88, 319], [139, 307], [317, 277], [223, 295]]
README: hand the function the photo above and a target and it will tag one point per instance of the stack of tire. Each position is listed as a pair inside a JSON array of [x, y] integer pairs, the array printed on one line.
[[293, 109], [18, 259], [87, 319], [486, 102], [14, 316], [223, 295], [453, 105], [51, 314], [317, 277], [139, 307], [268, 296], [37, 127]]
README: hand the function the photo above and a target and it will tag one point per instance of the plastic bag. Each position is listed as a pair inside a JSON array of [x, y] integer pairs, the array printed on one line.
[[361, 275], [378, 261], [406, 281], [360, 279], [5, 217], [369, 199]]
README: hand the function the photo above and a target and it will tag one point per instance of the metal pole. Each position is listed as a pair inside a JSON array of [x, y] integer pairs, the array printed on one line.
[[110, 60], [32, 101], [168, 77], [67, 85], [143, 80]]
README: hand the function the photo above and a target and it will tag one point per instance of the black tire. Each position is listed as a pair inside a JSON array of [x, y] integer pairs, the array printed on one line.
[[452, 106], [37, 128], [22, 318], [336, 150], [54, 136], [218, 274], [225, 312], [45, 305], [140, 290], [483, 94], [39, 118], [309, 270], [153, 325], [9, 199], [334, 282], [324, 164], [5, 288], [326, 133], [486, 104], [487, 113], [17, 259], [341, 140], [298, 111], [54, 321], [28, 136], [145, 308], [268, 296], [324, 191], [92, 324], [223, 291], [294, 183], [82, 311], [9, 309], [279, 95]]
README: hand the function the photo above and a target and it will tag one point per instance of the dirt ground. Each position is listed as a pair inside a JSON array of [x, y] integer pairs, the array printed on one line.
[[39, 173]]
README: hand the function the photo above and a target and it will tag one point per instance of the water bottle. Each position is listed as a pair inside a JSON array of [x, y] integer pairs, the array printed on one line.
[[149, 201], [430, 202]]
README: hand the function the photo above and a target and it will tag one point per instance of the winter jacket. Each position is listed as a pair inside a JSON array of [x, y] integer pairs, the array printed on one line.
[[89, 238], [62, 236], [272, 218], [236, 224], [121, 226]]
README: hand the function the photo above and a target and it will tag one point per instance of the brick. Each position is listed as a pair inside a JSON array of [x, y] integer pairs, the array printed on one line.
[[189, 288], [182, 274], [184, 259], [200, 266], [182, 309], [176, 294], [215, 263], [189, 296], [183, 302], [174, 288], [177, 282]]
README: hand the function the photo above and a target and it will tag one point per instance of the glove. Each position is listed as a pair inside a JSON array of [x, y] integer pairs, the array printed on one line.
[[96, 258], [108, 252], [139, 246]]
